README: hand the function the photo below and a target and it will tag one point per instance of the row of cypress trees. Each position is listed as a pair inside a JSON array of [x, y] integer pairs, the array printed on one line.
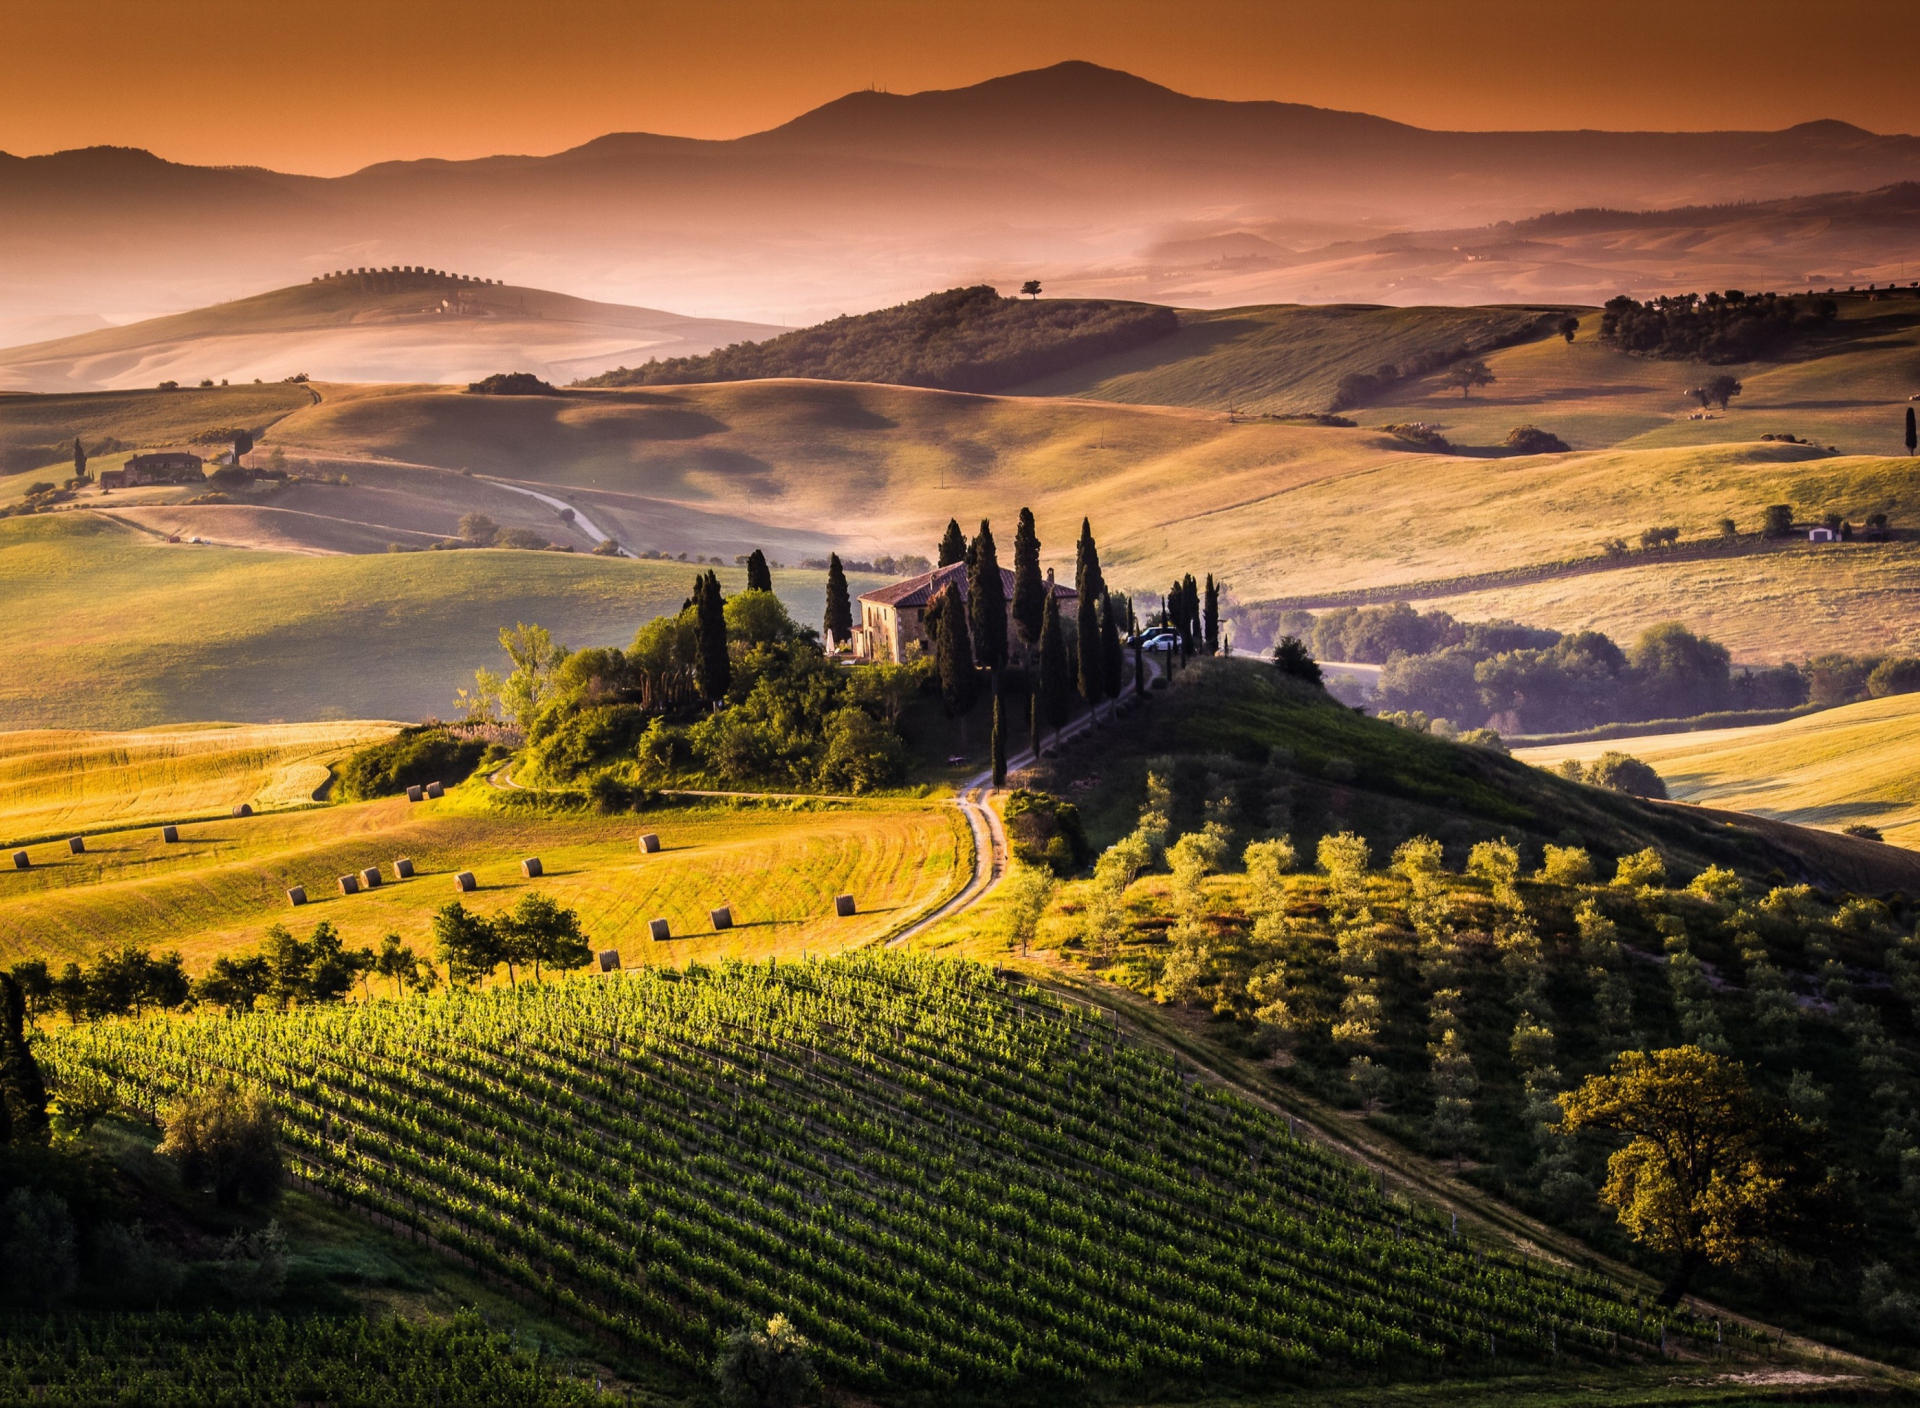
[[1194, 612]]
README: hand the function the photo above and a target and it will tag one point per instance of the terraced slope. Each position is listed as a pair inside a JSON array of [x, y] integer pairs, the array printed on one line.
[[947, 1181]]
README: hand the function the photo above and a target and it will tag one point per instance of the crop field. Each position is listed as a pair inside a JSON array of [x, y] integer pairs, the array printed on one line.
[[946, 1180], [60, 783], [105, 628], [224, 881], [1858, 763]]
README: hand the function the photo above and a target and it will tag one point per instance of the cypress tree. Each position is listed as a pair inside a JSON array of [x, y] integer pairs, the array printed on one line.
[[839, 622], [1913, 435], [1086, 643], [1211, 621], [1112, 661], [1033, 711], [953, 545], [1029, 587], [999, 742], [1139, 655], [80, 451], [759, 579], [23, 1094], [986, 601], [953, 656], [1056, 676], [713, 671], [1086, 564]]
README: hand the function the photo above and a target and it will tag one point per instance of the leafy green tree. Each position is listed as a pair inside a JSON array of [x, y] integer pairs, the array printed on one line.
[[1031, 288], [713, 669], [467, 943], [535, 657], [766, 1368], [1567, 328], [1680, 673], [539, 931], [1702, 1178], [1468, 375], [953, 544], [1716, 390], [1621, 772], [229, 1141], [839, 621], [1029, 587], [1292, 659], [1024, 897], [759, 578], [479, 530], [235, 982], [1056, 677], [1777, 521], [398, 963], [987, 602], [946, 619]]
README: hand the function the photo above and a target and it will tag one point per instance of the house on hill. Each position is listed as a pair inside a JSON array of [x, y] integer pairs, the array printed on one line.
[[893, 619], [155, 467]]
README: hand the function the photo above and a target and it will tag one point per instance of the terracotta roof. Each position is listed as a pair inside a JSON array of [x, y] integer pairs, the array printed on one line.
[[920, 591]]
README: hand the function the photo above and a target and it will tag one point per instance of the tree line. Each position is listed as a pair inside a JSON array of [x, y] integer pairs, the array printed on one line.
[[1715, 327]]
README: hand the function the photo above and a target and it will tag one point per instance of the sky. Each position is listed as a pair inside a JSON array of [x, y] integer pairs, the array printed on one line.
[[332, 86]]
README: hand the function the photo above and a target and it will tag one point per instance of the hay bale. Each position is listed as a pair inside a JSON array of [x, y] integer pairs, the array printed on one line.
[[370, 878], [844, 907], [416, 792], [169, 834], [650, 843], [403, 869], [531, 868], [244, 809], [609, 960], [722, 917], [20, 861], [465, 883], [77, 845], [434, 789], [349, 884], [660, 930], [297, 896]]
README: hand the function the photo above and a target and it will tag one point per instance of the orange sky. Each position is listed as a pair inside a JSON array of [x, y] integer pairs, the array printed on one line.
[[328, 87]]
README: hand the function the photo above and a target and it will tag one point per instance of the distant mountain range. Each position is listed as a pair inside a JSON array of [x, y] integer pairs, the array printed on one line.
[[1075, 173]]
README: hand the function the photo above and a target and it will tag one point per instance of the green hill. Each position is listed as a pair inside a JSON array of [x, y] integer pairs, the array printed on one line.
[[966, 339]]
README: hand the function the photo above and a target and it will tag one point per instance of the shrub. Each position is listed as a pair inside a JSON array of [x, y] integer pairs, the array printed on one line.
[[1863, 831], [1640, 868], [1567, 865], [1526, 440], [228, 1141], [1422, 435], [511, 384], [1484, 738], [417, 755], [572, 744], [1716, 882], [1290, 657], [767, 1368], [523, 538], [1777, 521], [1620, 772], [862, 753], [1900, 675], [1042, 830]]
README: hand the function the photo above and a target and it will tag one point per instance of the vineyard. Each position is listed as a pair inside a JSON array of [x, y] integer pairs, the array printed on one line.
[[946, 1179], [262, 1361]]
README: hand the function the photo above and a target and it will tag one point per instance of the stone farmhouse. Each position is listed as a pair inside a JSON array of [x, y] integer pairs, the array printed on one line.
[[157, 467], [893, 619]]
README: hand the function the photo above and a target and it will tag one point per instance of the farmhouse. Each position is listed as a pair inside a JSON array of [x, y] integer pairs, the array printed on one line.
[[156, 467], [893, 619]]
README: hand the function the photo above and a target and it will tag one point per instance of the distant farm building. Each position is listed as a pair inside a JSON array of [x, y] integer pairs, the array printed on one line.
[[893, 619], [157, 467]]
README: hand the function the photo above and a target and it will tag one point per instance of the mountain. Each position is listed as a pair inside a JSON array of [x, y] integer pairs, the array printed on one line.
[[416, 326], [1071, 171]]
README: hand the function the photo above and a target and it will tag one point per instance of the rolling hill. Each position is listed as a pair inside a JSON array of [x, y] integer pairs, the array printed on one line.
[[414, 326]]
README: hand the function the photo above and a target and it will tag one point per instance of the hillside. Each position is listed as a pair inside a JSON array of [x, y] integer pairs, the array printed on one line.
[[1836, 768], [966, 339], [416, 326]]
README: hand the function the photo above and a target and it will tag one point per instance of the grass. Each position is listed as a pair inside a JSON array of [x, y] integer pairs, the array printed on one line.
[[224, 881], [62, 782], [1858, 763]]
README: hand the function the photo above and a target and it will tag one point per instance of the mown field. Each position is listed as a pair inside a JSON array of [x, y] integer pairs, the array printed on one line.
[[56, 782], [1856, 764], [224, 881]]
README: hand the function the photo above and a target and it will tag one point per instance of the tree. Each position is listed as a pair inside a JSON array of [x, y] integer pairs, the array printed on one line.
[[229, 1141], [1777, 522], [535, 656], [1716, 390], [1913, 433], [1210, 616], [1701, 1178], [234, 983], [767, 1368], [479, 530], [242, 445], [1024, 896], [953, 655], [953, 544], [398, 962], [987, 603], [1086, 564], [1086, 640], [1567, 328], [23, 1093], [1292, 659], [539, 931], [839, 622], [80, 451], [468, 944], [713, 670], [1468, 375], [1113, 659], [1056, 678], [759, 578], [998, 743], [1029, 587], [1031, 288]]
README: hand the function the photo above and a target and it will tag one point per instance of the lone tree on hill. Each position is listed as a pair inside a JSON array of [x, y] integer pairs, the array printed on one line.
[[713, 671], [839, 622], [987, 604], [1703, 1177], [1031, 288], [1568, 327], [1029, 588], [1716, 390], [1468, 375], [1913, 435], [1056, 676], [953, 656], [759, 579], [953, 544]]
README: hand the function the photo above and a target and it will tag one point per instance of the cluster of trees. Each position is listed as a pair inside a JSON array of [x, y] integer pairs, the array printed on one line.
[[965, 339], [120, 982], [907, 564], [535, 933], [1713, 328], [479, 531], [511, 384], [417, 755]]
